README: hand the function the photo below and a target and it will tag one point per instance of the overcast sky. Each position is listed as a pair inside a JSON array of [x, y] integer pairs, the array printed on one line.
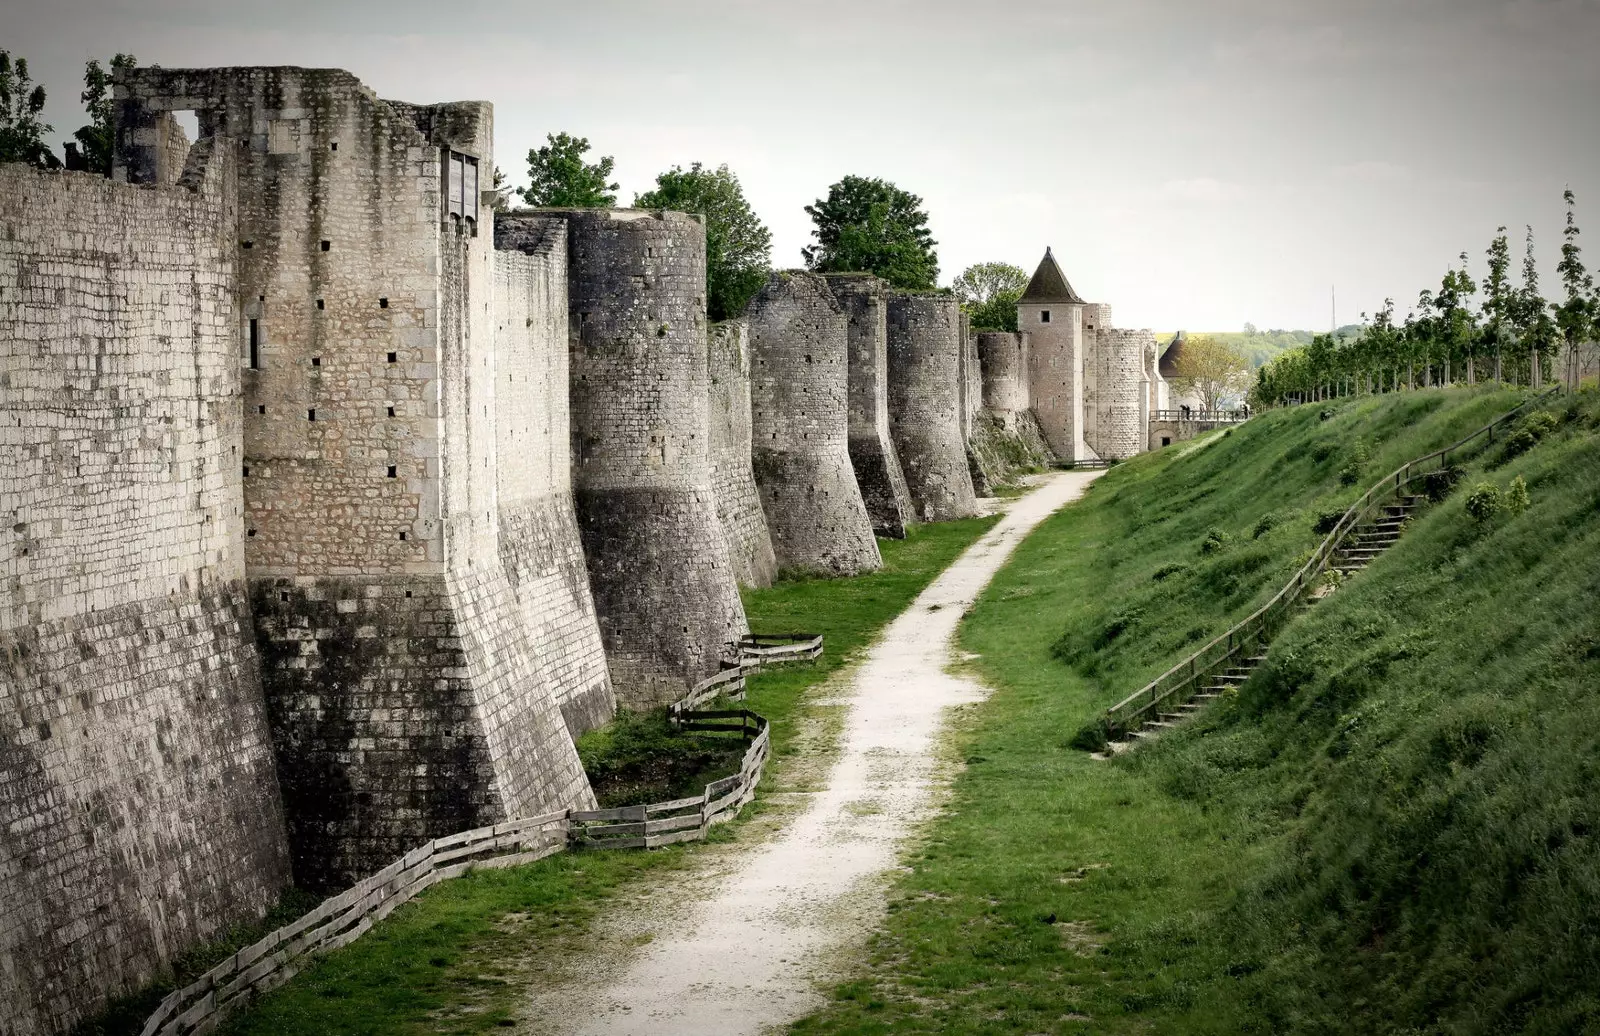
[[1195, 163]]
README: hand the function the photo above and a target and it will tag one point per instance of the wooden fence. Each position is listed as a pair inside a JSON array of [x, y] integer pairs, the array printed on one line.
[[339, 920], [1202, 416], [1182, 681]]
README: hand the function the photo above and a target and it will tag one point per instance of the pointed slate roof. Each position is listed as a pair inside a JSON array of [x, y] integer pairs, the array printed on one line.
[[1167, 366], [1049, 284]]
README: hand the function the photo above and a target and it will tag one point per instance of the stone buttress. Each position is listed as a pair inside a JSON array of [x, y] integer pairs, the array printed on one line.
[[925, 404], [800, 421], [659, 564], [539, 543], [865, 301], [1005, 439], [744, 525], [402, 680], [139, 811]]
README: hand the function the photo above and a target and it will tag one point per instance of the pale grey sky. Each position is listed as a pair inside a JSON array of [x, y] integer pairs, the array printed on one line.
[[1195, 163]]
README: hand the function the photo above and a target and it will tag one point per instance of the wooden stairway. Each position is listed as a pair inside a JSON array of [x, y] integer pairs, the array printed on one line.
[[1368, 541]]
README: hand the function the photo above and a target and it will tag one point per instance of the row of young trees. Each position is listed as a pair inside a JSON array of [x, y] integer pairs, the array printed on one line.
[[1465, 331]]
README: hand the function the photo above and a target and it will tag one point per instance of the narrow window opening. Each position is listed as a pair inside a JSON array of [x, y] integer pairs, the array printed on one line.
[[1044, 316], [391, 411], [311, 415], [247, 471], [327, 245], [394, 357], [334, 146], [248, 244], [316, 361], [321, 304], [402, 537], [255, 344], [283, 595], [393, 471], [250, 532], [383, 303], [408, 593], [261, 409]]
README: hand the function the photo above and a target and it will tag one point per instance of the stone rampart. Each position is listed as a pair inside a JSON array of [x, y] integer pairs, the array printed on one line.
[[1122, 404], [1006, 439], [925, 390], [139, 814], [800, 421], [400, 670], [539, 545], [865, 302], [744, 524], [1003, 359], [663, 583]]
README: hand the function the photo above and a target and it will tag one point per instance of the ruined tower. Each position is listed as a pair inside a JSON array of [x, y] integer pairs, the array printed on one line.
[[1052, 315], [1003, 357], [925, 403], [744, 524], [865, 301], [800, 421], [139, 810], [399, 668], [658, 562], [1123, 397], [539, 544]]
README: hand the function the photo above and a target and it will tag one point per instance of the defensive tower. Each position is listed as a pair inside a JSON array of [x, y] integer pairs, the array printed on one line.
[[925, 401], [1052, 315], [744, 525]]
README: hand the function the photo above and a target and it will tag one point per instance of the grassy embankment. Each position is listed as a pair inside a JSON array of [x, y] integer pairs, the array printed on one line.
[[458, 959], [1391, 828]]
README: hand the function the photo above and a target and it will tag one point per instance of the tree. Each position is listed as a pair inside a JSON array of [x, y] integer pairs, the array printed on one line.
[[1211, 370], [21, 101], [1530, 317], [96, 139], [989, 294], [738, 244], [1573, 315], [560, 178], [1497, 302], [873, 226]]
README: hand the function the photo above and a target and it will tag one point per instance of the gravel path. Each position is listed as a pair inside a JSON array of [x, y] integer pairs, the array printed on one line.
[[750, 955]]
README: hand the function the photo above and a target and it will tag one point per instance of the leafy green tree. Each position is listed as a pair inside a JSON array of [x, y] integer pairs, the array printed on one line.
[[873, 226], [1574, 315], [1498, 299], [1455, 330], [560, 178], [1211, 370], [21, 101], [738, 244], [1536, 331], [96, 139], [989, 294]]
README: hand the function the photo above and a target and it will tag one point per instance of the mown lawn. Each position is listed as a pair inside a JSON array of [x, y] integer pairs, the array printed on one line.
[[1391, 828], [459, 958]]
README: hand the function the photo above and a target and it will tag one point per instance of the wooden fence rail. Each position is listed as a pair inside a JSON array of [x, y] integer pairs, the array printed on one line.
[[339, 920], [1181, 682]]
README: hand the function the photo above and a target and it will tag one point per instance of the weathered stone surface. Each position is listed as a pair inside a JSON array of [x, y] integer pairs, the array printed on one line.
[[658, 561], [1005, 436], [865, 301], [1123, 397], [370, 443], [924, 337], [799, 404], [744, 525], [539, 544], [139, 814]]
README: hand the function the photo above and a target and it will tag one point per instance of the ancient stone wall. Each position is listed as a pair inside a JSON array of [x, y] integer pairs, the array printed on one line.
[[800, 421], [139, 815], [1096, 318], [971, 376], [865, 302], [399, 668], [924, 339], [1005, 439], [744, 524], [663, 583], [1003, 359], [1123, 403], [1055, 364], [539, 544]]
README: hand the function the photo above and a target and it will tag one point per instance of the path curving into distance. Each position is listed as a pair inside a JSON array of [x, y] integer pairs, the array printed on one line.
[[750, 954]]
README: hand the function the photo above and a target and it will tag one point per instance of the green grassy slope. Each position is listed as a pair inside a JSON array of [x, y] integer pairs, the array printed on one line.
[[1391, 828]]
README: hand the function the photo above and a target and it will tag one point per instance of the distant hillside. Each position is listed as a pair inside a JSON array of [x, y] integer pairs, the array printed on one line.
[[1260, 346]]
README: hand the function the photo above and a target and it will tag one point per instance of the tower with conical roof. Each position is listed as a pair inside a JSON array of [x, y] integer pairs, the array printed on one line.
[[1052, 313]]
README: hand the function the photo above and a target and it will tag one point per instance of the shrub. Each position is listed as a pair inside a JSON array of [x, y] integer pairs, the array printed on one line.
[[1530, 430], [1439, 484], [1485, 502], [1168, 571], [1360, 453], [1326, 521], [1092, 737], [1216, 542], [1321, 451], [1516, 499], [1269, 521]]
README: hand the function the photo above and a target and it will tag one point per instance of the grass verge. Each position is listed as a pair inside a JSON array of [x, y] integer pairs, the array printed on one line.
[[460, 958], [1391, 828]]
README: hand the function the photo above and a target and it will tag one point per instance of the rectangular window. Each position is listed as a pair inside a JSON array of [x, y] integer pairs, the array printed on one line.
[[1044, 316], [460, 185], [255, 344]]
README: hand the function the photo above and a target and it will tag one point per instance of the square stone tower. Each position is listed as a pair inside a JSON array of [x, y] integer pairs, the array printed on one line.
[[1052, 315]]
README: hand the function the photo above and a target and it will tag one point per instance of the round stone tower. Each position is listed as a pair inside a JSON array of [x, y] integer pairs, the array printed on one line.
[[1122, 400], [663, 584], [744, 524], [1003, 358], [865, 301], [925, 390], [800, 421]]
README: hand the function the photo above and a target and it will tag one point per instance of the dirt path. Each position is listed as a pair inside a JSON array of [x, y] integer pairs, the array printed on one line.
[[750, 954]]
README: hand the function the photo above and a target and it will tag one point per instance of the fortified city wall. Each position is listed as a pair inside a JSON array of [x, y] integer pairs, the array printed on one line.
[[744, 524], [864, 299], [1006, 439], [659, 567], [924, 338], [539, 545], [400, 673], [800, 421], [139, 811], [1123, 414]]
